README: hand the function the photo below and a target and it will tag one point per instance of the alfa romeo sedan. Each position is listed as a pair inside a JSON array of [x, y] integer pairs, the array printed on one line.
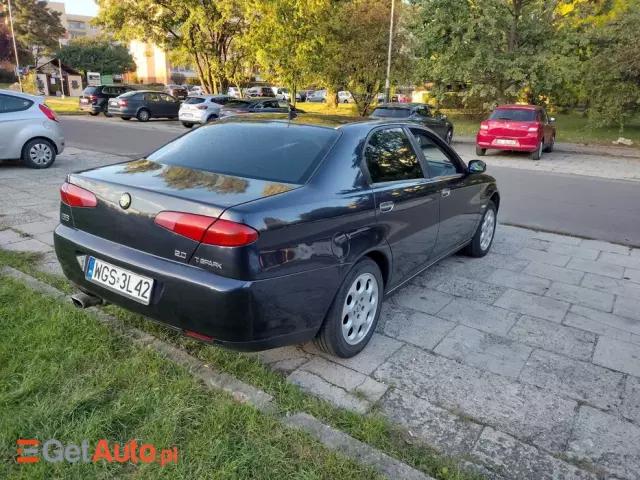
[[297, 234]]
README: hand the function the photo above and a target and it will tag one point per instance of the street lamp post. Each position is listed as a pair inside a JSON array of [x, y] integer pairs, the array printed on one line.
[[386, 83], [60, 69], [15, 47]]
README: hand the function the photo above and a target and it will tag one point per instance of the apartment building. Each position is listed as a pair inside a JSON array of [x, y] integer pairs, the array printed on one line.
[[154, 65], [77, 26]]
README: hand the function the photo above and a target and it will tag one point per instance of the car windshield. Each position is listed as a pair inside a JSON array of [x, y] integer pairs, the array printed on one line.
[[278, 151], [238, 104], [514, 115], [193, 100], [391, 113], [90, 90]]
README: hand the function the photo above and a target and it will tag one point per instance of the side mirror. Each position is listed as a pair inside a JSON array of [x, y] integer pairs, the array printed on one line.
[[477, 166], [552, 119]]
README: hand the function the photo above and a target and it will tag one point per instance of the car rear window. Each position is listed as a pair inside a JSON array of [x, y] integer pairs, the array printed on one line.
[[278, 151], [391, 113], [90, 90], [194, 100], [237, 104], [514, 115]]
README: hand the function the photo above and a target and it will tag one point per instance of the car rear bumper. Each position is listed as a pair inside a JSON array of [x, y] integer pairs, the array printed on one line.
[[88, 107], [527, 143], [194, 116], [237, 314], [122, 112]]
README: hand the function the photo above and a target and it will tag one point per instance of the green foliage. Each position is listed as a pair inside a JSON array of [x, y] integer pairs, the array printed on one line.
[[612, 70], [96, 55], [37, 28]]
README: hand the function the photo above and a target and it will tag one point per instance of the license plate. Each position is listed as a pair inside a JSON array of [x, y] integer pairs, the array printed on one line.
[[114, 103], [84, 100], [119, 280], [502, 141], [187, 115]]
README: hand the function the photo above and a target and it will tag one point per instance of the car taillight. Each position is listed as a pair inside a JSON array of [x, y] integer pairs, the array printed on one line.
[[123, 103], [534, 129], [75, 196], [51, 115], [207, 230], [93, 98], [202, 107]]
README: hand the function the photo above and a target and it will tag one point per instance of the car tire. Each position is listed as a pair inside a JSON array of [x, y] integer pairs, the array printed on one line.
[[143, 115], [449, 136], [549, 148], [38, 153], [346, 101], [187, 124], [480, 151], [212, 118], [483, 238], [105, 110], [357, 304], [125, 118], [537, 153], [94, 114]]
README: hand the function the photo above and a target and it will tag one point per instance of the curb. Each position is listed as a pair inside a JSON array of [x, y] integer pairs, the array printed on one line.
[[245, 393]]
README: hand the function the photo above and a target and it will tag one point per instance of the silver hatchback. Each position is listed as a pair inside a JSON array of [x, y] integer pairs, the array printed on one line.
[[201, 109], [29, 130]]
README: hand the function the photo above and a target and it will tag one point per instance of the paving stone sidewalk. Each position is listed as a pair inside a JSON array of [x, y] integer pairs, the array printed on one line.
[[525, 363]]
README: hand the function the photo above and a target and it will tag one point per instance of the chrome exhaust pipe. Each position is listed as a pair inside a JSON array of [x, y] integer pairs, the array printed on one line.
[[82, 300]]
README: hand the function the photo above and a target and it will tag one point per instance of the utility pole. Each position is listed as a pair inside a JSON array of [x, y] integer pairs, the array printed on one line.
[[15, 47], [60, 69], [386, 83]]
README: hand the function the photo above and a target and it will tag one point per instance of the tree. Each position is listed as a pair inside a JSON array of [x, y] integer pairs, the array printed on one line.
[[6, 46], [178, 78], [612, 69], [197, 32], [356, 48], [286, 36], [96, 54], [498, 51], [37, 28]]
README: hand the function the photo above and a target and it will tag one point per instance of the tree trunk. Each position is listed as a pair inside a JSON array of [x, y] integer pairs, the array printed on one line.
[[332, 97], [512, 36]]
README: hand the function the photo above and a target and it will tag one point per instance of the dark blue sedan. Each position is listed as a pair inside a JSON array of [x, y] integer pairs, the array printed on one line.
[[262, 231]]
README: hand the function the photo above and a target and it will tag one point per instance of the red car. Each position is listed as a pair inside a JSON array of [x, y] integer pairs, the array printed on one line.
[[525, 128]]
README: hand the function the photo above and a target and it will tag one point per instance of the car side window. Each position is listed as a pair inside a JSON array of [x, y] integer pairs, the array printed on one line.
[[152, 97], [426, 112], [438, 162], [389, 156], [166, 98], [9, 103], [283, 104]]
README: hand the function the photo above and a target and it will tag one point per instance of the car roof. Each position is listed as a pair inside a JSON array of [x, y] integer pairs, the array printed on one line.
[[517, 107], [403, 105], [27, 96], [210, 95]]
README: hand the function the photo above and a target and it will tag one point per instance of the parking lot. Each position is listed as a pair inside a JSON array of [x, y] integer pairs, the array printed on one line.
[[526, 360]]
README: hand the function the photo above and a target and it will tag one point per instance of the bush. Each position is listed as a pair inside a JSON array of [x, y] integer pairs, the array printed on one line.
[[7, 76], [193, 81]]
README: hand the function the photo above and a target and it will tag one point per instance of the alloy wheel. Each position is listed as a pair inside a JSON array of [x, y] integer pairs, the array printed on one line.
[[487, 229], [360, 308], [41, 154]]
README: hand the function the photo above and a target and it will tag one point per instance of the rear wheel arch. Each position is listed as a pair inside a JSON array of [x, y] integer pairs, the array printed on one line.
[[384, 264], [40, 137]]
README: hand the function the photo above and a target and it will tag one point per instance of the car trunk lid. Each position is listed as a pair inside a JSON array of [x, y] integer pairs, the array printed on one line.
[[130, 196], [508, 128]]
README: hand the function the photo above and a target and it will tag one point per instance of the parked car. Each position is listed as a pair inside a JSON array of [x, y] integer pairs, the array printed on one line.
[[254, 232], [304, 94], [95, 99], [29, 130], [345, 97], [233, 92], [256, 105], [259, 92], [176, 91], [201, 109], [284, 94], [524, 128], [318, 96], [144, 105], [416, 112], [195, 90]]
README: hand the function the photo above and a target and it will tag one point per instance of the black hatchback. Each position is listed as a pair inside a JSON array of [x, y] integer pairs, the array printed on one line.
[[416, 112], [95, 99], [144, 105], [256, 232]]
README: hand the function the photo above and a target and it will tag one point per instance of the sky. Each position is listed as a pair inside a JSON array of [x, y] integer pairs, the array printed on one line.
[[80, 7]]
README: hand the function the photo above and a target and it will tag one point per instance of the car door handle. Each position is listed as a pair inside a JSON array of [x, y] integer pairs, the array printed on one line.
[[446, 192], [386, 207]]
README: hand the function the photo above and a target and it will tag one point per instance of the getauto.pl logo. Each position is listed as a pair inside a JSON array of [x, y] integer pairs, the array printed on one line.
[[55, 451]]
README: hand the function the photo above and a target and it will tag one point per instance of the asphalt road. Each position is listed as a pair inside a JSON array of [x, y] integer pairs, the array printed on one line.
[[578, 205]]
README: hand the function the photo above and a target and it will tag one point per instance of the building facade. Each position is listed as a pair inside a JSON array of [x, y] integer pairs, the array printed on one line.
[[77, 26], [154, 65]]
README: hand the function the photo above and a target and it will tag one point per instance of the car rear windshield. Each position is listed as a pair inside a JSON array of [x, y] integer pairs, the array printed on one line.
[[90, 90], [237, 104], [391, 113], [514, 115], [193, 100], [129, 94], [278, 151]]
